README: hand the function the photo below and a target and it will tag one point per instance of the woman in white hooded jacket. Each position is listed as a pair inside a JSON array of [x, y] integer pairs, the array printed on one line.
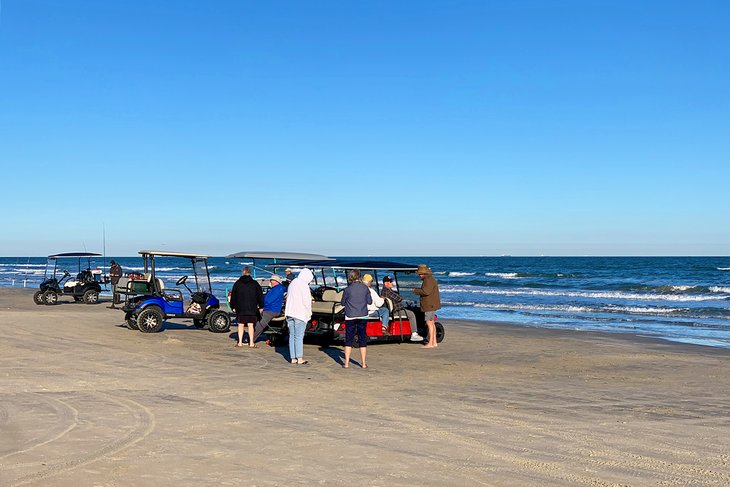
[[298, 312]]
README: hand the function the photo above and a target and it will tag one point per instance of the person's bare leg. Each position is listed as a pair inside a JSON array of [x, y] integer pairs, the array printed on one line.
[[250, 335], [431, 335], [363, 354], [348, 351], [240, 335]]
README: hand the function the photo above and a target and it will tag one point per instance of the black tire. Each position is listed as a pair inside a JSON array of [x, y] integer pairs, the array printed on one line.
[[150, 320], [91, 296], [200, 324], [327, 338], [276, 340], [131, 321], [219, 321], [440, 333], [50, 298], [38, 297]]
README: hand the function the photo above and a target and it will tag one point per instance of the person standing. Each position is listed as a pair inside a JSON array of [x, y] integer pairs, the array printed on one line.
[[273, 300], [298, 312], [356, 297], [390, 293], [430, 301], [247, 299], [115, 273]]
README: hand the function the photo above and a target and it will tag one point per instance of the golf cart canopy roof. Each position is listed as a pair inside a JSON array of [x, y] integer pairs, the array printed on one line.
[[298, 256], [165, 253], [380, 265], [74, 254]]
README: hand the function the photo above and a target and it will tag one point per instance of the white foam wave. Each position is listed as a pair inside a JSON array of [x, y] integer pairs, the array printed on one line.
[[569, 308], [157, 269], [723, 268], [720, 289], [22, 265], [503, 275], [578, 294], [223, 279], [461, 274]]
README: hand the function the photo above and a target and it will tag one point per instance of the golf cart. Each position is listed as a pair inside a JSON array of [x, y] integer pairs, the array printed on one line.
[[84, 286], [328, 315], [148, 304]]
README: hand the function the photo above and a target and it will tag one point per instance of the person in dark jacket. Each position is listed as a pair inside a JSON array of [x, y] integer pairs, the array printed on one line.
[[356, 298], [115, 273], [247, 299], [430, 302]]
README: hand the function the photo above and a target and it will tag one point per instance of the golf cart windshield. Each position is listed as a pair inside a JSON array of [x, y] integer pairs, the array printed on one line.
[[200, 268]]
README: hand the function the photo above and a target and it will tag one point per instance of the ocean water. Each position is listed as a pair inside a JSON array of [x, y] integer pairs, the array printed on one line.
[[684, 299]]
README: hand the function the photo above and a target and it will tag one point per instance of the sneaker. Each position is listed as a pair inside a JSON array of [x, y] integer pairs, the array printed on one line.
[[415, 337], [385, 331]]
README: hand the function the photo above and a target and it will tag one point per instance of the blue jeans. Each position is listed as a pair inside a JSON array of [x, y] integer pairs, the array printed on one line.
[[296, 337], [383, 314]]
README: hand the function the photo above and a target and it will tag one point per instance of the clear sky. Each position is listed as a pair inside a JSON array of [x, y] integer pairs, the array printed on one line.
[[518, 127]]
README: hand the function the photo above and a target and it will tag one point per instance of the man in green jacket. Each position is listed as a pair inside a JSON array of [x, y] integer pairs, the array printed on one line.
[[430, 301]]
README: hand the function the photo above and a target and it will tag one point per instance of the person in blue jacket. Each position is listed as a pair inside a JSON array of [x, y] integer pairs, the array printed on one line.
[[273, 301]]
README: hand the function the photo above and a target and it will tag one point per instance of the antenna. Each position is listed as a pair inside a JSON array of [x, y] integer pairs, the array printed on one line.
[[103, 244]]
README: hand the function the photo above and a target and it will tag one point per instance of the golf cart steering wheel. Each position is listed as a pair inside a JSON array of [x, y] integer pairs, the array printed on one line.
[[181, 281]]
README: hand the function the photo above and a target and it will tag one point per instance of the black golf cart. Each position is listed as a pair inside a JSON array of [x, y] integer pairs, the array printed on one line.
[[148, 304], [82, 286]]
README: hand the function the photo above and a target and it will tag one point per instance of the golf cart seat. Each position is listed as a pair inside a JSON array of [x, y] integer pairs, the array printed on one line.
[[330, 303]]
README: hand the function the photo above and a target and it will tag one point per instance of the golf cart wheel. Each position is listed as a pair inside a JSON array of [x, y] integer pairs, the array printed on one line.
[[91, 296], [275, 340], [131, 321], [150, 320], [198, 323], [50, 297], [440, 333], [219, 322], [38, 297]]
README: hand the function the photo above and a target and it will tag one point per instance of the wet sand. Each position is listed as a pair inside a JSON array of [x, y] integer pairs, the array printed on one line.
[[86, 402]]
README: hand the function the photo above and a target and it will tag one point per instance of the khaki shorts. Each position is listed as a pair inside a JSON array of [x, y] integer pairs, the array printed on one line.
[[428, 315]]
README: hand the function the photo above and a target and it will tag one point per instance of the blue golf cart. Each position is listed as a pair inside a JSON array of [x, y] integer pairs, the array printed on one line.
[[148, 304]]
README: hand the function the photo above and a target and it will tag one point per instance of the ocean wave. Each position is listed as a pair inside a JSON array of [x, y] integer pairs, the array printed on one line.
[[723, 268], [461, 274], [580, 294], [720, 289], [22, 265], [503, 275], [571, 308]]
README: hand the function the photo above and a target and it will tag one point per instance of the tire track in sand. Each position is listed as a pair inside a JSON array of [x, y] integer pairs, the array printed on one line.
[[144, 424]]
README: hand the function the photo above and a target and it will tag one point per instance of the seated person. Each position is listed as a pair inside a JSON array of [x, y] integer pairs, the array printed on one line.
[[390, 293], [273, 301], [378, 309]]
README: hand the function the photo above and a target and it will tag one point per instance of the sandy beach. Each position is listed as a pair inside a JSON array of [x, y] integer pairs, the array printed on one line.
[[86, 402]]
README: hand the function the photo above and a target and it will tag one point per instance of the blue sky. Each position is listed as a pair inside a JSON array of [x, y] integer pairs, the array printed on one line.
[[366, 128]]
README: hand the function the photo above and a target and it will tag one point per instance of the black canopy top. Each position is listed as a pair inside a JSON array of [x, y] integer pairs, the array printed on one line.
[[351, 264]]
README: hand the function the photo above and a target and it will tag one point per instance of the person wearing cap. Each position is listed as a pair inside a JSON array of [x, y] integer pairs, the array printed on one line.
[[273, 300], [430, 301], [397, 300], [115, 273], [355, 298], [377, 308], [289, 275]]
